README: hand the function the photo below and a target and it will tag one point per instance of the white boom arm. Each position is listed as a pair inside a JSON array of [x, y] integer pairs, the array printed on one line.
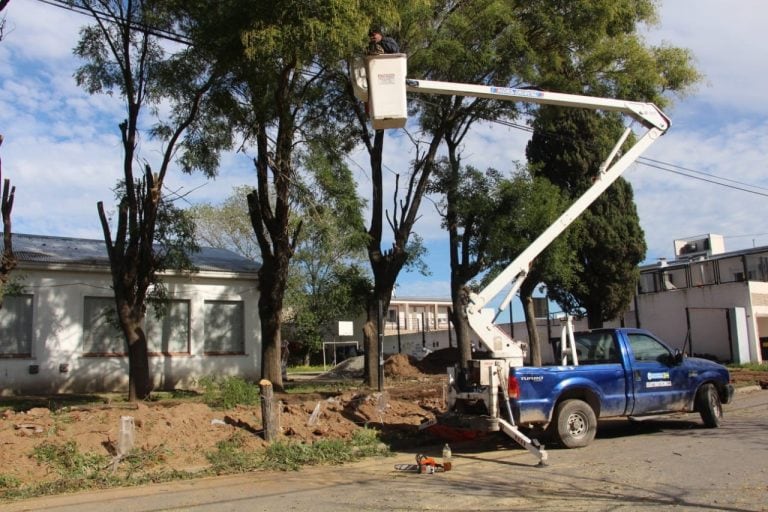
[[650, 116], [379, 81]]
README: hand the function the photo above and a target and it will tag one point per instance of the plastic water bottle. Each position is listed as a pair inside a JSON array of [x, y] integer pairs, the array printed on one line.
[[447, 457]]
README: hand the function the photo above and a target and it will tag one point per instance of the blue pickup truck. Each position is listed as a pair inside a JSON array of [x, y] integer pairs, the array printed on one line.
[[620, 373]]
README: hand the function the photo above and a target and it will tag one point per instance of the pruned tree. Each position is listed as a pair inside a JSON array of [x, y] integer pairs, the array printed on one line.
[[122, 54], [8, 262], [3, 5]]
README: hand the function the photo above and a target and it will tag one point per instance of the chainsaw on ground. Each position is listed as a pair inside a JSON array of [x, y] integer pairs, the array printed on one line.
[[424, 466]]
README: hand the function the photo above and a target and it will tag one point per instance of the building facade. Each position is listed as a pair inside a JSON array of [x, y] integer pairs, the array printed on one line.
[[58, 335]]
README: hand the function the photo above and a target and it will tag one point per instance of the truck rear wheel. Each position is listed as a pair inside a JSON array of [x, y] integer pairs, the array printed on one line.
[[575, 423], [709, 406]]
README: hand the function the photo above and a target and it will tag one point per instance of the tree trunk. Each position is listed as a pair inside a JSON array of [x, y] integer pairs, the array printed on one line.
[[8, 261], [371, 335], [534, 344], [594, 316], [461, 323], [270, 306], [371, 344], [139, 381]]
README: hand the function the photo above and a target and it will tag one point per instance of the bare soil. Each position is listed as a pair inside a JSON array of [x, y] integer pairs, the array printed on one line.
[[179, 434]]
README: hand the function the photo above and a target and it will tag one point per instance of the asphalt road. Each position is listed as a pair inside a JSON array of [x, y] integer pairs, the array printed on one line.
[[661, 464]]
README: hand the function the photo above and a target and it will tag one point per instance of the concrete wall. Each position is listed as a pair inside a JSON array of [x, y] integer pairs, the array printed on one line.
[[57, 338], [664, 313]]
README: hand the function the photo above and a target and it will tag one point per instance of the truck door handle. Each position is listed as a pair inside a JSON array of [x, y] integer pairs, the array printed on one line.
[[638, 378]]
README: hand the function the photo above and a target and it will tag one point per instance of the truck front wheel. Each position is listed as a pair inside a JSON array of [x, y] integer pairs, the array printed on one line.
[[575, 423], [709, 406]]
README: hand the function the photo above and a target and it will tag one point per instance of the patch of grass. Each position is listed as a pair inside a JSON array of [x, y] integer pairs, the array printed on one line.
[[756, 367], [141, 459], [228, 392], [80, 471], [52, 402], [231, 457], [68, 461], [9, 482], [102, 481], [318, 368], [291, 456]]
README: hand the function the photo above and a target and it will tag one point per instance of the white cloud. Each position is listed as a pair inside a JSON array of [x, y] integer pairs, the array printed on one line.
[[727, 40]]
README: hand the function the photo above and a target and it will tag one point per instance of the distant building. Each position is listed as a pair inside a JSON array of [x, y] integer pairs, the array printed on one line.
[[59, 336], [720, 298]]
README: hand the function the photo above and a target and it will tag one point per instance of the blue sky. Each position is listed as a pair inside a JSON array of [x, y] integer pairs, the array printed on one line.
[[62, 150]]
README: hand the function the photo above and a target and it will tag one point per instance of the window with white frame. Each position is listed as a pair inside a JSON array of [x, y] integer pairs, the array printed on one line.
[[168, 333], [16, 326], [101, 336], [224, 327]]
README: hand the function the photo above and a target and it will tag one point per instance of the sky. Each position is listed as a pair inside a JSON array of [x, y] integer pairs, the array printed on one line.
[[62, 148]]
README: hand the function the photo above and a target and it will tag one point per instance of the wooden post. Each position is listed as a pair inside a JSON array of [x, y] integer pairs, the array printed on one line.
[[269, 419]]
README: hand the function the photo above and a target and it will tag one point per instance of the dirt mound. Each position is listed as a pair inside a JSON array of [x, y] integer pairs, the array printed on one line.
[[436, 362], [401, 366], [180, 435]]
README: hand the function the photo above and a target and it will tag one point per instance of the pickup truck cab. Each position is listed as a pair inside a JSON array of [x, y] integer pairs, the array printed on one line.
[[620, 373]]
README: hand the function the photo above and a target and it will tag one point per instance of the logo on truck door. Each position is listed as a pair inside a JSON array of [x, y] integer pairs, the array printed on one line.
[[658, 380]]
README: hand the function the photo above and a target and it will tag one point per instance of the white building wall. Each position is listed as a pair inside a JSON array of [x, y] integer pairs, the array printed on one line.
[[664, 314], [57, 336]]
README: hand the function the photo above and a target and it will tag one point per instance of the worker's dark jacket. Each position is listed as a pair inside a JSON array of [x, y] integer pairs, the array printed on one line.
[[389, 45]]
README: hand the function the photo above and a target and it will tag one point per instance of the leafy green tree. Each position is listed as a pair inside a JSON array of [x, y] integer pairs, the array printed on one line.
[[471, 208], [326, 281], [607, 58], [122, 55], [289, 45], [227, 226], [528, 205], [479, 41], [586, 46]]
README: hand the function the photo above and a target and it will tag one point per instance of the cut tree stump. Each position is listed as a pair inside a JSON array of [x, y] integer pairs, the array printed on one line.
[[269, 412]]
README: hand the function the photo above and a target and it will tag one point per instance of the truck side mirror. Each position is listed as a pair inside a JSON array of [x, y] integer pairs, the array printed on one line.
[[678, 357]]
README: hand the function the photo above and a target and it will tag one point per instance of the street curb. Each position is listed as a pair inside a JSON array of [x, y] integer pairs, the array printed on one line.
[[747, 389]]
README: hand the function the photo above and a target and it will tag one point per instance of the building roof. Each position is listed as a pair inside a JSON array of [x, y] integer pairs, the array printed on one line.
[[82, 251]]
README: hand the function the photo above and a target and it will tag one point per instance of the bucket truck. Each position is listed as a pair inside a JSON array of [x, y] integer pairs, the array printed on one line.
[[482, 388]]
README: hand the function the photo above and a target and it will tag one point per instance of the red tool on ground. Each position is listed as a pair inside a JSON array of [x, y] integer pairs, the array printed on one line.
[[424, 466]]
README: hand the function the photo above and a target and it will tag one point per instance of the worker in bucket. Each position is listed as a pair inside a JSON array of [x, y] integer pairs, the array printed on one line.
[[379, 43]]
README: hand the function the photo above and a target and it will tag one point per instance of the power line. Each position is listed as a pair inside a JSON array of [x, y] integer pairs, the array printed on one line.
[[686, 169], [93, 13], [650, 162]]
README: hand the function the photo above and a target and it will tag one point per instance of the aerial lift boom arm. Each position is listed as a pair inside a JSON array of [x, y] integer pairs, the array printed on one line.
[[647, 114]]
